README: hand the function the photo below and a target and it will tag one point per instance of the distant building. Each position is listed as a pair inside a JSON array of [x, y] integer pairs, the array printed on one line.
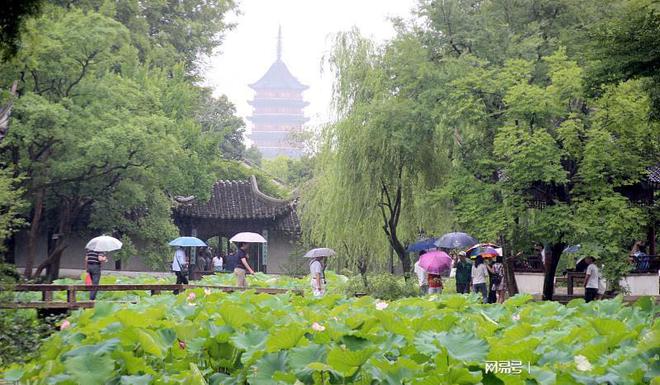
[[278, 110]]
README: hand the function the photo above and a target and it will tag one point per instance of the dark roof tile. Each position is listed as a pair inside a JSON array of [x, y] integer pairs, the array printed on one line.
[[231, 199]]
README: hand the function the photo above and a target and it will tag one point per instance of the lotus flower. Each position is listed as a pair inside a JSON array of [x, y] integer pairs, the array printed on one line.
[[191, 297], [207, 291], [318, 327], [381, 305], [182, 344], [65, 324], [515, 317], [583, 363]]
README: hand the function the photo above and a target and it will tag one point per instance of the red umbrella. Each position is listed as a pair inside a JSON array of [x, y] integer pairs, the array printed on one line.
[[435, 262], [486, 250]]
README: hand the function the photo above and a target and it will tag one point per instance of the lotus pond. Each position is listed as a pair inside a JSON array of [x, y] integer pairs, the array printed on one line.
[[206, 337]]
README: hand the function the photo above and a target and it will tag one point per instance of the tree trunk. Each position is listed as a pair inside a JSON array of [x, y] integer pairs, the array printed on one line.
[[551, 262], [33, 235], [67, 212], [509, 274], [391, 210]]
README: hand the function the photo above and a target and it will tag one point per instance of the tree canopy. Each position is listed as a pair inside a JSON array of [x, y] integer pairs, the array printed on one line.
[[110, 124], [492, 118]]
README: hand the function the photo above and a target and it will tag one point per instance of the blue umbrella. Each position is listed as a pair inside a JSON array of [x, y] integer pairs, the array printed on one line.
[[421, 245], [455, 241], [187, 242]]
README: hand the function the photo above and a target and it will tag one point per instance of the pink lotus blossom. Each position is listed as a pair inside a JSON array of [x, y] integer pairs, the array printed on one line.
[[65, 324], [182, 344], [191, 297], [318, 327], [381, 305]]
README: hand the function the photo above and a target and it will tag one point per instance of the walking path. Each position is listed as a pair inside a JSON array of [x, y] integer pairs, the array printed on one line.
[[77, 273]]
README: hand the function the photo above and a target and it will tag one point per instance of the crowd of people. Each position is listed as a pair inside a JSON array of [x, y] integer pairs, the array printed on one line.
[[484, 276]]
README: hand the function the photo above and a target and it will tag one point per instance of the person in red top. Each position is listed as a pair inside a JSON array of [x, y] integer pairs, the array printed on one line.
[[435, 283]]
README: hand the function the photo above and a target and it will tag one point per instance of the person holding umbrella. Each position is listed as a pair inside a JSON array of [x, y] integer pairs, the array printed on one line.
[[435, 263], [179, 267], [93, 260], [95, 255], [317, 265], [238, 263]]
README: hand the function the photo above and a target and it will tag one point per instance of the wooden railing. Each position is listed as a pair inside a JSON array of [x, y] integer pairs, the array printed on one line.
[[72, 302]]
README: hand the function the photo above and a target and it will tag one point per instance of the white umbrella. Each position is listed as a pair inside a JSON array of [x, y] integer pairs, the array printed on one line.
[[320, 252], [104, 243], [248, 237]]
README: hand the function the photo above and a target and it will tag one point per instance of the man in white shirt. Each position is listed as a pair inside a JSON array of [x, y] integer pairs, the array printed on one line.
[[591, 280], [179, 265], [317, 271], [422, 278]]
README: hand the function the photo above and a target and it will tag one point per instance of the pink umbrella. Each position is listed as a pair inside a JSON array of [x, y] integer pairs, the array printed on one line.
[[435, 262]]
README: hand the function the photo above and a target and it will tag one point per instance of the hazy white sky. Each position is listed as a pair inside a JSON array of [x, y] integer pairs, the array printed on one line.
[[307, 29]]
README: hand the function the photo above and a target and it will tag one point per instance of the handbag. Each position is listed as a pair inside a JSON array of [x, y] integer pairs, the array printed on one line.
[[88, 279]]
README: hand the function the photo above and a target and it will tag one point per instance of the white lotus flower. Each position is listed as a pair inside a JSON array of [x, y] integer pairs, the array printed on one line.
[[207, 291], [381, 305], [318, 327], [583, 363], [515, 317]]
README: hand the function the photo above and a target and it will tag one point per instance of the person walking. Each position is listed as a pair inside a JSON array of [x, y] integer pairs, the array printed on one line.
[[497, 279], [422, 276], [591, 280], [317, 271], [238, 262], [479, 278], [463, 274], [93, 260], [179, 267]]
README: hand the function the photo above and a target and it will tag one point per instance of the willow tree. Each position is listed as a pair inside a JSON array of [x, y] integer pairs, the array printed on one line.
[[379, 154]]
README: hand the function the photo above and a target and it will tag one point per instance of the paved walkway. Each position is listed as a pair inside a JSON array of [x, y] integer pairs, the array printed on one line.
[[76, 273]]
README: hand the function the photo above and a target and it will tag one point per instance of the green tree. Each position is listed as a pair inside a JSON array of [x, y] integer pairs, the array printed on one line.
[[103, 141]]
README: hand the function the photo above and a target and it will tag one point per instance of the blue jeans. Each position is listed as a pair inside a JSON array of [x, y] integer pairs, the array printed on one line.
[[481, 288]]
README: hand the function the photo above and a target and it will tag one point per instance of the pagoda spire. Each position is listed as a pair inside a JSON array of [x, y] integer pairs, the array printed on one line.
[[279, 43]]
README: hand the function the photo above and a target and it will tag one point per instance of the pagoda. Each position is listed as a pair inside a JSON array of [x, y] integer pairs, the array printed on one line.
[[278, 110]]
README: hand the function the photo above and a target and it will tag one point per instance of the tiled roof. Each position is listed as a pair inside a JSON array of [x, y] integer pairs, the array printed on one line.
[[235, 200], [278, 77]]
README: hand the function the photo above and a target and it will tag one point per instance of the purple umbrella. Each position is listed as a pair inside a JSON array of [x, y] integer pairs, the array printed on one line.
[[435, 262]]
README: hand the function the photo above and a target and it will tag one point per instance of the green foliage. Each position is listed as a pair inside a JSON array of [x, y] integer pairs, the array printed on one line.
[[21, 334], [383, 286], [287, 339], [110, 123], [509, 122]]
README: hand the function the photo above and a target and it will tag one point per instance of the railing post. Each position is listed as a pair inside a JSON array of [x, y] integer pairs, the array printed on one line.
[[71, 295], [46, 295], [569, 284]]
